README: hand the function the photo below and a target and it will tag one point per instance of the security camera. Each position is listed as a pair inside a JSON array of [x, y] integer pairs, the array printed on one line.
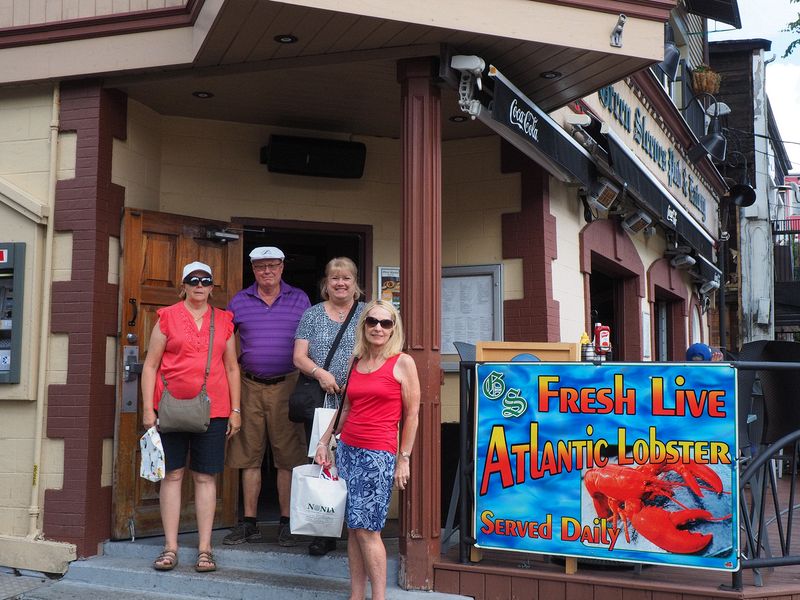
[[709, 286], [469, 64]]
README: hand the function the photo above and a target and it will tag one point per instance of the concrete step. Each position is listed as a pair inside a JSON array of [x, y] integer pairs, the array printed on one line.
[[248, 571]]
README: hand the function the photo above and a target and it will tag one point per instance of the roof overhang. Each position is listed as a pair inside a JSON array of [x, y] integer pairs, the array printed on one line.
[[726, 11]]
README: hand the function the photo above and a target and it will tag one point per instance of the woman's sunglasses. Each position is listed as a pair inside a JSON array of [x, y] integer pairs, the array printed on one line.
[[385, 323], [194, 281]]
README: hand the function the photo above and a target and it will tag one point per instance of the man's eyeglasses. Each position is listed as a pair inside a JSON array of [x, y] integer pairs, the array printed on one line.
[[268, 266], [385, 323], [194, 281]]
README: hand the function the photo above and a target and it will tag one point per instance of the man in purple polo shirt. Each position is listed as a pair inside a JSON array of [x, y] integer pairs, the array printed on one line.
[[266, 316]]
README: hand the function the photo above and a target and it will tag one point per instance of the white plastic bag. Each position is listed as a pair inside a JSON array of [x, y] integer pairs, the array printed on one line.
[[152, 467], [318, 501], [322, 419]]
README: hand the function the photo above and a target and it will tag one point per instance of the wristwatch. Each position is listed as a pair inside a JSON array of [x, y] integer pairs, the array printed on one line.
[[404, 454]]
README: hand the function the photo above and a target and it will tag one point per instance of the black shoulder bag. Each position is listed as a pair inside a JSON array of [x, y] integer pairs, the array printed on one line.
[[308, 395]]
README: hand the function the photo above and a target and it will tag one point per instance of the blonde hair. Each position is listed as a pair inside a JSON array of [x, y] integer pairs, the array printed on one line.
[[340, 263], [395, 343]]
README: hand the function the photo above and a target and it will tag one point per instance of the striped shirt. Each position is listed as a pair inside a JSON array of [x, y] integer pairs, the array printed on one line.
[[266, 333]]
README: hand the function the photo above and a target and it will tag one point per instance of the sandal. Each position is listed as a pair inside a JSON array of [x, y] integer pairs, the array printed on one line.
[[166, 561], [205, 562]]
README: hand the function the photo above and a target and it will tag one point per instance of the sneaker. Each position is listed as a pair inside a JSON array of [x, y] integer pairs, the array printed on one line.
[[243, 532], [285, 537], [321, 546]]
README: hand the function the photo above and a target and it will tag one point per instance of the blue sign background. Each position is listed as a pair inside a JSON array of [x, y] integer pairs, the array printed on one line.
[[548, 509]]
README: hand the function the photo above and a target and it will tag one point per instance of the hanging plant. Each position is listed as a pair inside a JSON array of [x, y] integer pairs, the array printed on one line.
[[704, 79]]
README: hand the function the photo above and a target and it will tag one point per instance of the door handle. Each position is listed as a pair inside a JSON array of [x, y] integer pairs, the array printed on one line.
[[132, 322]]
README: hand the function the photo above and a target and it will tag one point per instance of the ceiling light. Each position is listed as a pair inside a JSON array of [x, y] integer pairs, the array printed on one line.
[[458, 118], [550, 74], [203, 95], [285, 38]]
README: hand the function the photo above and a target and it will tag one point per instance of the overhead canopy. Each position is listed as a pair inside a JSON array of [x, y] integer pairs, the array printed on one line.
[[652, 195], [726, 11]]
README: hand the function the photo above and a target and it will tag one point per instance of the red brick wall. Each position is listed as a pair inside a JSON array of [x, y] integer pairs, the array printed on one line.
[[81, 412], [531, 235]]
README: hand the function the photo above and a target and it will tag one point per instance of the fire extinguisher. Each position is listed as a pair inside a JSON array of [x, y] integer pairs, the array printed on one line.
[[602, 339]]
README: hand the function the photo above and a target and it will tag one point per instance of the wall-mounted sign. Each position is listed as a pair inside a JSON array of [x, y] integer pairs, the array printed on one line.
[[667, 159], [389, 285], [624, 462]]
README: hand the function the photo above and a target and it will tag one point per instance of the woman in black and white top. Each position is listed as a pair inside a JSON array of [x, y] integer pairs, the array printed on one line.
[[315, 335]]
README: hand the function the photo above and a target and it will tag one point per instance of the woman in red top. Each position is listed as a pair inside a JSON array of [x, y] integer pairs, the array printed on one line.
[[177, 353], [383, 390]]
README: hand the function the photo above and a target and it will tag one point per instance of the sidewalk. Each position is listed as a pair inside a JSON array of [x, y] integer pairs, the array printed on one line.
[[256, 571]]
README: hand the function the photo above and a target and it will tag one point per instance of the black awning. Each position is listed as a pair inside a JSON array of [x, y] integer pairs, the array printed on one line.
[[519, 121], [653, 197], [707, 270], [726, 11]]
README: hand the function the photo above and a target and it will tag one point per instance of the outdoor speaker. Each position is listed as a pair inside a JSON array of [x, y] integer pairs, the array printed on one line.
[[314, 157]]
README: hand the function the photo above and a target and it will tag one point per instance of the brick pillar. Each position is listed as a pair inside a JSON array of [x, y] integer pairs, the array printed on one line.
[[81, 412], [531, 235], [421, 272]]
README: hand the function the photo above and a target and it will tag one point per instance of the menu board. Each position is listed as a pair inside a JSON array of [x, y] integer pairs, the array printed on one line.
[[467, 310]]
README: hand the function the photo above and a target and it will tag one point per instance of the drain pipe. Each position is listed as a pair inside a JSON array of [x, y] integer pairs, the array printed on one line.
[[34, 510]]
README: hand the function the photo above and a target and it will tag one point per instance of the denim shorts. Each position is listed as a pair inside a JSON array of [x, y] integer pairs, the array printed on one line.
[[207, 449], [370, 476]]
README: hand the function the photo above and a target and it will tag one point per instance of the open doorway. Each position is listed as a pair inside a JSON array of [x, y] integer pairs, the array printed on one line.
[[308, 247]]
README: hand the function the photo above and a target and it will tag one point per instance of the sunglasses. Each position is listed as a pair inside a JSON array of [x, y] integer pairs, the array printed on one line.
[[385, 323], [194, 281]]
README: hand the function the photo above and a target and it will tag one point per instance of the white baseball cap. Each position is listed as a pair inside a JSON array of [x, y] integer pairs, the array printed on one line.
[[196, 266], [263, 252]]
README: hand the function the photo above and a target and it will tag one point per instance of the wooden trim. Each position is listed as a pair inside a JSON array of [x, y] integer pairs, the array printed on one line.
[[654, 10], [649, 86], [91, 27], [663, 275], [604, 244]]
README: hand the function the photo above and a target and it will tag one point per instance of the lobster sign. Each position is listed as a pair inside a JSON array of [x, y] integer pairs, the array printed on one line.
[[622, 462]]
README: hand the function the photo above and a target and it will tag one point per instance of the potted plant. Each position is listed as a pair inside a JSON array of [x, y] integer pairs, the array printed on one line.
[[704, 79]]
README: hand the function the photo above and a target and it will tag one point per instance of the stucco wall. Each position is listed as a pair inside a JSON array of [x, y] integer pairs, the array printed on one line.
[[25, 115], [211, 169]]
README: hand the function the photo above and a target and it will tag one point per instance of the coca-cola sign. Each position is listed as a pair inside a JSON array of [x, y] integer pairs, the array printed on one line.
[[524, 119]]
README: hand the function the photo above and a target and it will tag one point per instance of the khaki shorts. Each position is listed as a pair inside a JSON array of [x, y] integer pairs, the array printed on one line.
[[265, 418]]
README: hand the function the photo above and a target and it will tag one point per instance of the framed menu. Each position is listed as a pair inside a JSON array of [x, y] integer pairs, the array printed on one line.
[[472, 308]]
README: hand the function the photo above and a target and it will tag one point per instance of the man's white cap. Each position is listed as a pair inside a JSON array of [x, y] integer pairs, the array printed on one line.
[[263, 252], [196, 266]]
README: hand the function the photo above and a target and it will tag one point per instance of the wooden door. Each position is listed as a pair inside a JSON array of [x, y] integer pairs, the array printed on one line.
[[155, 248]]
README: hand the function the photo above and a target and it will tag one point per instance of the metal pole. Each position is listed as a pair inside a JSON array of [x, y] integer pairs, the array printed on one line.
[[723, 309]]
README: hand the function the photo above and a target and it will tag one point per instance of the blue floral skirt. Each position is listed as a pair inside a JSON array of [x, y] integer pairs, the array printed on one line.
[[370, 476]]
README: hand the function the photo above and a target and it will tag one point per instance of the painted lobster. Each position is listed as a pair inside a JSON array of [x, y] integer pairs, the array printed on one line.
[[620, 492]]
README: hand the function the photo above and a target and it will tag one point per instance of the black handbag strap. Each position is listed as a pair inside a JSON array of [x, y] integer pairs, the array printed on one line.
[[344, 394], [338, 338], [210, 348]]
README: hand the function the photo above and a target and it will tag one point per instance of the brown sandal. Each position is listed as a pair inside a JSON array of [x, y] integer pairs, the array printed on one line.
[[166, 561], [208, 559]]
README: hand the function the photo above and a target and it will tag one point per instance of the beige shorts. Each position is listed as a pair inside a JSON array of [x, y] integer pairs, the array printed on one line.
[[265, 418]]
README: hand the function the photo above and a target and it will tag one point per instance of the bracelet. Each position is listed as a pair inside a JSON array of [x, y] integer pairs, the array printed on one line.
[[238, 411], [313, 371]]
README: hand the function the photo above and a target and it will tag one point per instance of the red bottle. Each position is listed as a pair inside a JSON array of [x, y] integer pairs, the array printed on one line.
[[602, 338]]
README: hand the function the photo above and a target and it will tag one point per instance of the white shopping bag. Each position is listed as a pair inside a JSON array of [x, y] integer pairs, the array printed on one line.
[[318, 501], [152, 467], [322, 419]]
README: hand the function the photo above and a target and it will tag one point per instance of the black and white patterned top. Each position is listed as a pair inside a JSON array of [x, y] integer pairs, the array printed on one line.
[[320, 331]]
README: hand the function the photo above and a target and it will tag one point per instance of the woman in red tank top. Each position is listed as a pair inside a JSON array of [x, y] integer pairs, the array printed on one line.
[[382, 392]]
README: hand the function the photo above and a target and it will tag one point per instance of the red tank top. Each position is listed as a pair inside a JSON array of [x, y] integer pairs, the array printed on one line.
[[376, 406]]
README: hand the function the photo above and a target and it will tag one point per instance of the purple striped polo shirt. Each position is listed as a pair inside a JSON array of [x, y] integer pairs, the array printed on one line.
[[266, 333]]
